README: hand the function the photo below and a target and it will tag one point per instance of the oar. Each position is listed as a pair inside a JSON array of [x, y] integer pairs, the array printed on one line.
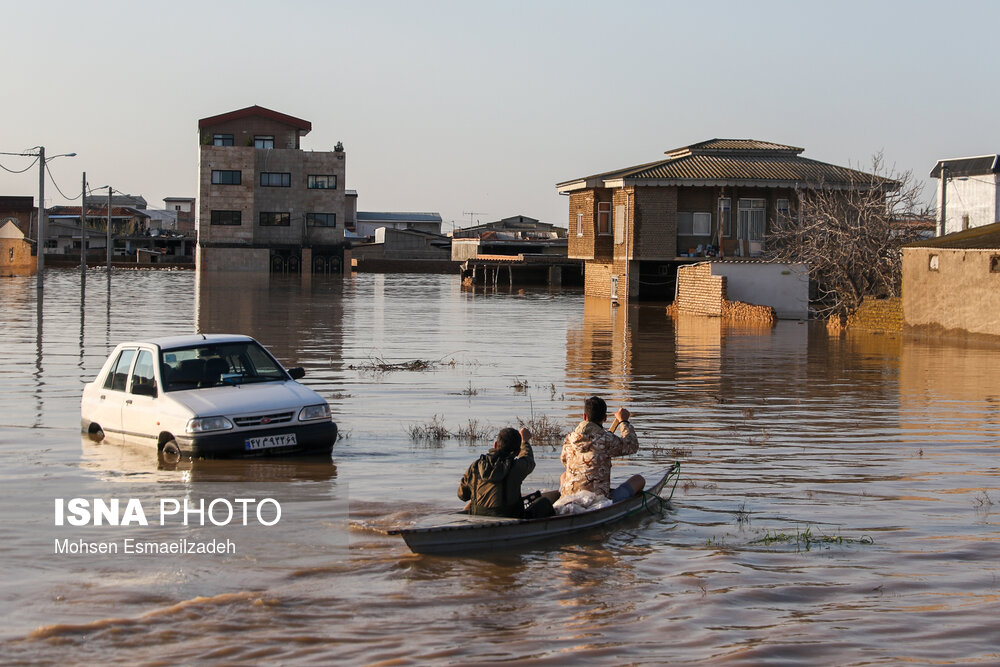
[[614, 425]]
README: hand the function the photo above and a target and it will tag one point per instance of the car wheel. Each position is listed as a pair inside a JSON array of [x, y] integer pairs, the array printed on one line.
[[170, 452], [95, 433]]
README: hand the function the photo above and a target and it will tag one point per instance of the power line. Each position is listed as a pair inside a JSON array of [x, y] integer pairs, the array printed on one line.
[[52, 178], [13, 171]]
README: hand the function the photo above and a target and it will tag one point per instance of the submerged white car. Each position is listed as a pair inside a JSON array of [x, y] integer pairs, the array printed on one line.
[[214, 395]]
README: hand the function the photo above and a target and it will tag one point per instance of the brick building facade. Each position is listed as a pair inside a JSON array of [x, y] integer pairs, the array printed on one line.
[[263, 202], [635, 226]]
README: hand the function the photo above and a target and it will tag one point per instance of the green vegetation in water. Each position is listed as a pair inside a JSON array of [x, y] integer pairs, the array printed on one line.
[[806, 539]]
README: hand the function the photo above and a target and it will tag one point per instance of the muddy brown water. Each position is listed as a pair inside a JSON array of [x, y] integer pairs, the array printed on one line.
[[838, 501]]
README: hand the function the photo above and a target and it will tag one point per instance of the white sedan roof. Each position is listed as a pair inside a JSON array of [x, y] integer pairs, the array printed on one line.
[[171, 342]]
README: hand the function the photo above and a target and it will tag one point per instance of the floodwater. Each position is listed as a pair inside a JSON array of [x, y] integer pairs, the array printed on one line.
[[838, 501]]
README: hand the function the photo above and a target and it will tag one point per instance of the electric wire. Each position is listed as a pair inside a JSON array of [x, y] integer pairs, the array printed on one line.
[[52, 178], [21, 171]]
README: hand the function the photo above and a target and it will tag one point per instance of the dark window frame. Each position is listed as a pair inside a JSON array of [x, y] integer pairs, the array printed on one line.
[[222, 140], [275, 219], [226, 218], [604, 218], [262, 141], [312, 182], [284, 179], [225, 177], [311, 220]]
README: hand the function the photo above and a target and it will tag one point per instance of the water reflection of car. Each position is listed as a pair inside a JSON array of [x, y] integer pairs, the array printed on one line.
[[215, 395]]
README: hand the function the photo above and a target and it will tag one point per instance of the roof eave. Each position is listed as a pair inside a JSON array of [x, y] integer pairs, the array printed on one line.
[[729, 182]]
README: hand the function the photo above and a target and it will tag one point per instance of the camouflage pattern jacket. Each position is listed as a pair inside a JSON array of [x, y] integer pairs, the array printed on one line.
[[587, 453]]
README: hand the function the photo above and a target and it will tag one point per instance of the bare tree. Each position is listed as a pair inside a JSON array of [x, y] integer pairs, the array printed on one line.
[[850, 237]]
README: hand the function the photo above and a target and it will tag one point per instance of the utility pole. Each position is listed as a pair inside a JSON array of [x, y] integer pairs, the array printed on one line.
[[944, 198], [109, 230], [42, 231], [472, 213], [83, 229]]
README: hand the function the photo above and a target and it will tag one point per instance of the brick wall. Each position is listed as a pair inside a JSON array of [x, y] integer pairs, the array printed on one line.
[[878, 315], [582, 203], [698, 291], [655, 223], [16, 258]]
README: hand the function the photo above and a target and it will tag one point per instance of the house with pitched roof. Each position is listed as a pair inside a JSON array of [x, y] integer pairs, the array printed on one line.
[[634, 226], [263, 202], [968, 192]]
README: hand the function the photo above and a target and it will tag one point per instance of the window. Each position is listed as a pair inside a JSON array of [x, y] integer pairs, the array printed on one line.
[[750, 219], [994, 263], [782, 208], [726, 216], [118, 374], [274, 179], [263, 141], [177, 207], [701, 224], [270, 219], [685, 224], [224, 177], [694, 224], [227, 218], [143, 380], [619, 224], [321, 219], [579, 224], [222, 140], [322, 182], [604, 217]]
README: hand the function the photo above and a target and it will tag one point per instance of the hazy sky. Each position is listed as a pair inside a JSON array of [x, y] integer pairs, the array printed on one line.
[[483, 107]]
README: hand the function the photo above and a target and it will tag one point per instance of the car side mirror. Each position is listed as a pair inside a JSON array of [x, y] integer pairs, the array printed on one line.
[[297, 373]]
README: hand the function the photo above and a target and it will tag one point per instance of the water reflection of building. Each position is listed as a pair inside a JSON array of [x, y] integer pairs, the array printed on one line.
[[950, 388], [298, 320]]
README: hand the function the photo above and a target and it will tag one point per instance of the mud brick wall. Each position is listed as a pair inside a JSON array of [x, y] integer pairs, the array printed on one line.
[[748, 312], [698, 291], [878, 315]]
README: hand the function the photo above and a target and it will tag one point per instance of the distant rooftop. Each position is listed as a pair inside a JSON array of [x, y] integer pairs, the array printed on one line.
[[986, 237], [979, 165], [376, 216]]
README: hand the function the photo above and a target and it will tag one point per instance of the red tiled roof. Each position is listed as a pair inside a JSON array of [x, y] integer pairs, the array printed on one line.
[[303, 126]]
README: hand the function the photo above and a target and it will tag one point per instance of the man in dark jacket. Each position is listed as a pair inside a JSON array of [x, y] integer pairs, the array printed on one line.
[[493, 482]]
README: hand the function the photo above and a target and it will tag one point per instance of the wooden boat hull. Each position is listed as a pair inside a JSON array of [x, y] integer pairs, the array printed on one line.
[[478, 533]]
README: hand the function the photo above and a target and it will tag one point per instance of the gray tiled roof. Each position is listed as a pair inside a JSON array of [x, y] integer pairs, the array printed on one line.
[[735, 161]]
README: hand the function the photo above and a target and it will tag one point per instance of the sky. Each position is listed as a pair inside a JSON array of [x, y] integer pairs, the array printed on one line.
[[476, 109]]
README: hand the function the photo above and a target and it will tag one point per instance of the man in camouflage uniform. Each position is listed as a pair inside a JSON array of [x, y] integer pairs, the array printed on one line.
[[587, 453]]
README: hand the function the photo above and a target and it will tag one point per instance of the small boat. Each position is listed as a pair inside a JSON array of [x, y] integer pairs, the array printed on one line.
[[479, 533]]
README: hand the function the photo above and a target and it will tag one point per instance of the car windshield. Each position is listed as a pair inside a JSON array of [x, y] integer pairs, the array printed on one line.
[[218, 364]]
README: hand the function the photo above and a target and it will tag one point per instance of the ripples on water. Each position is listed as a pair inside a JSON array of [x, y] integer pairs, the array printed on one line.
[[782, 434]]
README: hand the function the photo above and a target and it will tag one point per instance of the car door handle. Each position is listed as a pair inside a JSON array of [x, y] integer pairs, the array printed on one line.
[[128, 401], [103, 397]]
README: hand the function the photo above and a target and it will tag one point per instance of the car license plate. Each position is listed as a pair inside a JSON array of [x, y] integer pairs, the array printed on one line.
[[269, 441]]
